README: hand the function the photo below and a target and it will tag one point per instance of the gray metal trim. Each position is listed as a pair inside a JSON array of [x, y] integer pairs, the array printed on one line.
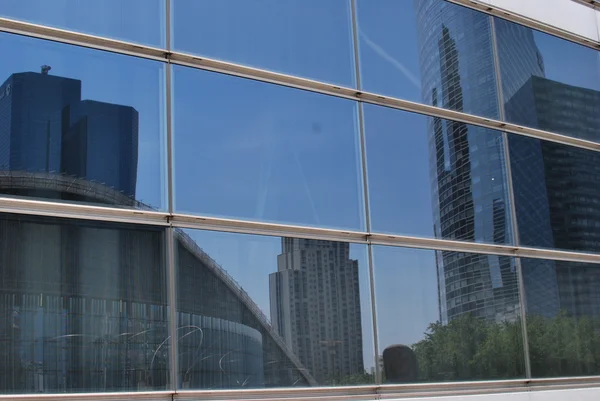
[[529, 22], [372, 392], [171, 267], [136, 216]]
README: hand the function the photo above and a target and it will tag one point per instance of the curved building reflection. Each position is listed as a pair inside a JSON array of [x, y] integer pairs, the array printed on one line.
[[83, 304]]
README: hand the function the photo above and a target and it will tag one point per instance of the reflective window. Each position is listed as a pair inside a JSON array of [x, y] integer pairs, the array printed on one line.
[[269, 312], [139, 21], [549, 83], [308, 38], [436, 178], [557, 194], [563, 317], [447, 316], [429, 51], [251, 150], [80, 125], [83, 306]]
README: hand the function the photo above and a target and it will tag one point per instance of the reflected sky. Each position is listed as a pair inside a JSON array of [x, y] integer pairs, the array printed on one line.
[[140, 21]]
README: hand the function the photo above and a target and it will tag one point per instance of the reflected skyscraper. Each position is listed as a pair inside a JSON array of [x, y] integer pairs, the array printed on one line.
[[468, 166], [467, 163], [315, 306], [46, 127], [564, 189]]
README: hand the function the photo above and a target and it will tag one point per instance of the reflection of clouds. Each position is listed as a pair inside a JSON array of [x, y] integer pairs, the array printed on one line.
[[399, 66]]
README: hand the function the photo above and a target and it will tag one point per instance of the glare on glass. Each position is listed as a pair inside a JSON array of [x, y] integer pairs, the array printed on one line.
[[249, 150], [563, 317], [80, 125], [436, 178], [256, 312], [139, 21], [83, 307], [308, 38], [447, 316]]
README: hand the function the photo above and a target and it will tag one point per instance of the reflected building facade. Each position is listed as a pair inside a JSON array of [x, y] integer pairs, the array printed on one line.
[[554, 194], [83, 305], [46, 127], [564, 188], [467, 163], [315, 306]]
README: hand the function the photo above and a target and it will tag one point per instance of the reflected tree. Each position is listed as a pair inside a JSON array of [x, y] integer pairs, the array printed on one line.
[[469, 348]]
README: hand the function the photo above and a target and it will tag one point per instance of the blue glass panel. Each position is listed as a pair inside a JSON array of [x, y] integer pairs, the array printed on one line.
[[249, 150], [140, 21], [308, 38], [259, 312], [81, 125]]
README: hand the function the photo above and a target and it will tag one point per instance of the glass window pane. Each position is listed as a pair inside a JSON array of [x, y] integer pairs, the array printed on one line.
[[139, 21], [83, 306], [309, 38], [259, 312], [447, 316], [250, 150], [80, 125], [436, 178], [557, 194], [429, 51], [563, 317], [549, 83]]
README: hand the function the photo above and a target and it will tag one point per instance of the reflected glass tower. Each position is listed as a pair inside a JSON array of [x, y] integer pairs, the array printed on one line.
[[468, 166], [46, 127], [552, 194], [315, 306]]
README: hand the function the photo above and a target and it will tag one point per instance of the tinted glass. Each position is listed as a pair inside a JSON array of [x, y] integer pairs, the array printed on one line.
[[549, 83], [139, 21], [557, 194], [447, 316], [436, 178], [83, 307], [563, 317], [429, 51], [309, 38], [271, 312], [250, 150], [80, 125]]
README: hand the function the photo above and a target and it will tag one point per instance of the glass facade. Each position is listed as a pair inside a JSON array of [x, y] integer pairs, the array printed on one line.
[[248, 195]]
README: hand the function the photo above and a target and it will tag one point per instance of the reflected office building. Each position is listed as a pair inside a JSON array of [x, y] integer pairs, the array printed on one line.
[[315, 307], [561, 183], [554, 195], [83, 305]]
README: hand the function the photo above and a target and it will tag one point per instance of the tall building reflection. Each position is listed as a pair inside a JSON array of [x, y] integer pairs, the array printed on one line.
[[315, 306], [554, 185], [46, 127]]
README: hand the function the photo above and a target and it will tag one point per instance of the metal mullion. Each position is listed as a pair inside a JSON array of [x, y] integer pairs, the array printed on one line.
[[365, 180], [512, 205], [172, 305]]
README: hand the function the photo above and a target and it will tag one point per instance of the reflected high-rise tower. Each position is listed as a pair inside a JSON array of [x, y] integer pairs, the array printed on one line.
[[315, 306], [467, 163], [45, 127], [552, 186]]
